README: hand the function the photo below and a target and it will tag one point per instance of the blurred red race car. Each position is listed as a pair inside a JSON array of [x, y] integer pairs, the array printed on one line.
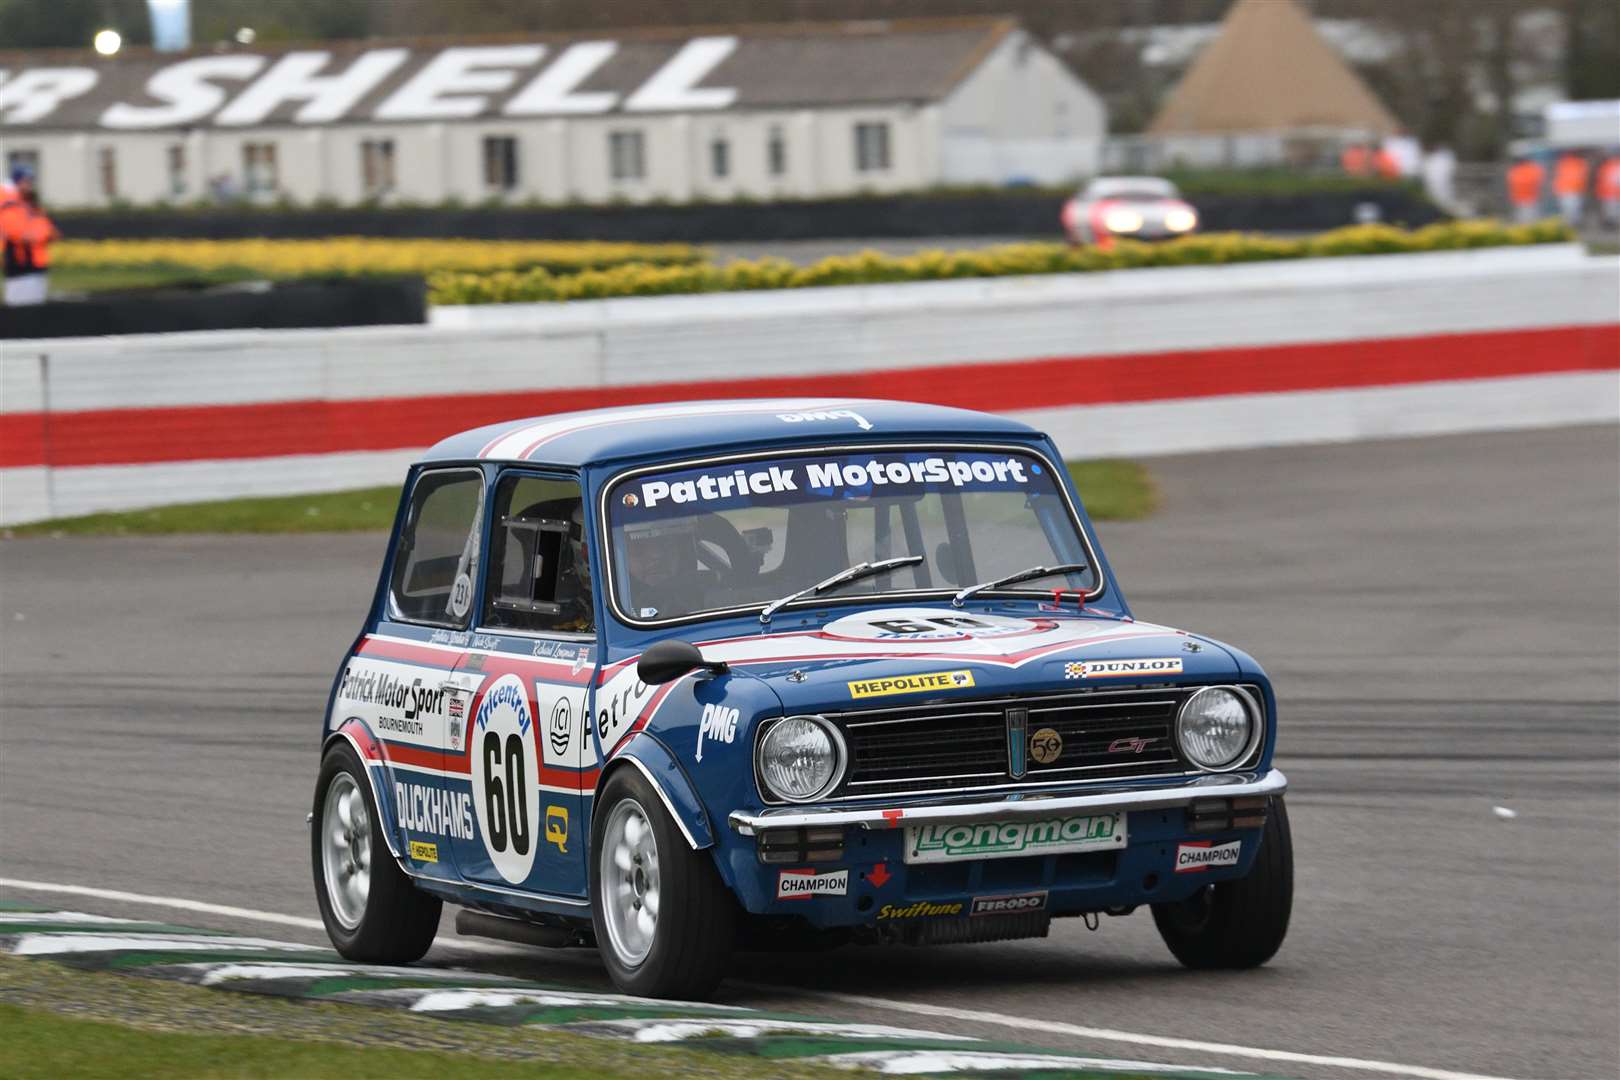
[[1139, 207]]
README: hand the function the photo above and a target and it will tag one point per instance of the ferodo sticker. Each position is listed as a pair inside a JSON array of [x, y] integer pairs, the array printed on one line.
[[1008, 905], [505, 776], [1197, 855], [1117, 669], [911, 684], [803, 884]]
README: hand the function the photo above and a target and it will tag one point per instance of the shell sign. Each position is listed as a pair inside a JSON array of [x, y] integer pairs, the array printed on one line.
[[325, 86]]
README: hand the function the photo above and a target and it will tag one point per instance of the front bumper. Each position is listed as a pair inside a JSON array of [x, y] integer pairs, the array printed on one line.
[[1015, 806]]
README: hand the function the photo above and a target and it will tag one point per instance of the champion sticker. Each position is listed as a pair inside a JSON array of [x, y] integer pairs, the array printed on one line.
[[802, 884], [1196, 855], [1121, 669], [911, 684]]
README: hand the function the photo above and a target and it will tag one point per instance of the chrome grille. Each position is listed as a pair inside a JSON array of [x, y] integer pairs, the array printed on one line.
[[961, 745]]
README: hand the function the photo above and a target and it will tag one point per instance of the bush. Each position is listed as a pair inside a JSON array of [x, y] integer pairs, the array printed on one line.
[[359, 256], [873, 267]]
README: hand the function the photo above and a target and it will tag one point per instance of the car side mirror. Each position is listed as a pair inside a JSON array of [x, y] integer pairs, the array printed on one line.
[[667, 661]]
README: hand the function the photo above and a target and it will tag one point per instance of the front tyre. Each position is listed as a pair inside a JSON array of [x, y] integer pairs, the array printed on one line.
[[1237, 924], [371, 909], [665, 923]]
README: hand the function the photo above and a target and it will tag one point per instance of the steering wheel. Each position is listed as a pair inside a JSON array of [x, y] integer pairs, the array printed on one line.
[[722, 551]]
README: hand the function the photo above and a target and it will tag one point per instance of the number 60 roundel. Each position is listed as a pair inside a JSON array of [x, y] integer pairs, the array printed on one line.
[[505, 796]]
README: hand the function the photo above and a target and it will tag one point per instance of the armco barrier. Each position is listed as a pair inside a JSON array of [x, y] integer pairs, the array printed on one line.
[[1133, 362]]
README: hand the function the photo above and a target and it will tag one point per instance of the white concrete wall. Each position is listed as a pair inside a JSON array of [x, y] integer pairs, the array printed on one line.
[[902, 341]]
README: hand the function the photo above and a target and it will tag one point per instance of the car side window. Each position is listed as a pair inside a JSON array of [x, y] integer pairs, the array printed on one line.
[[540, 575], [436, 562]]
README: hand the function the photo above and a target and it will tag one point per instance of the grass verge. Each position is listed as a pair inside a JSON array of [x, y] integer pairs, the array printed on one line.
[[61, 1022], [94, 279], [1112, 490]]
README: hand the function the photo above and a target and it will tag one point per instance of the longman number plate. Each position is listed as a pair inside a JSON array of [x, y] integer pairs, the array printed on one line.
[[1009, 839]]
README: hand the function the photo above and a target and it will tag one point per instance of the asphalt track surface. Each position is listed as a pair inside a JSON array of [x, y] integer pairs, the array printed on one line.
[[1441, 618]]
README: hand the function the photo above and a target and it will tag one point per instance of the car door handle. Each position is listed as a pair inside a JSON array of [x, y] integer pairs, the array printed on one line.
[[455, 688]]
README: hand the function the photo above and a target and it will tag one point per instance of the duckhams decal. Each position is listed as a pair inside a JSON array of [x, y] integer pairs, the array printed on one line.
[[436, 811], [1119, 669], [1006, 839], [911, 684], [506, 797]]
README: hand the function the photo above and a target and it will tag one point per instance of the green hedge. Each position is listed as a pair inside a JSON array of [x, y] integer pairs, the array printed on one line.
[[872, 267]]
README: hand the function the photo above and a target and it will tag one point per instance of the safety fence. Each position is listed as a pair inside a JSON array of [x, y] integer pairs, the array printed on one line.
[[1136, 362]]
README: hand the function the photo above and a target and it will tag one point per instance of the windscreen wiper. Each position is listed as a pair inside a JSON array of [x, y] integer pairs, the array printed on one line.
[[843, 577], [1023, 575]]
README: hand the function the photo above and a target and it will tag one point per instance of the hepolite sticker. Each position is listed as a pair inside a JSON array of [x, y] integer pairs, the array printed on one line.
[[424, 852], [1196, 855], [1121, 669], [506, 795], [911, 684]]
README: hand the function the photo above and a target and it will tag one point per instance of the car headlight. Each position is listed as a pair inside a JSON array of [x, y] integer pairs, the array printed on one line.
[[1181, 220], [801, 758], [1122, 220], [1217, 727]]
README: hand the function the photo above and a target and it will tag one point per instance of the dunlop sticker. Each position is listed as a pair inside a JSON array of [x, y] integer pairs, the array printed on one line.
[[911, 684], [1119, 669]]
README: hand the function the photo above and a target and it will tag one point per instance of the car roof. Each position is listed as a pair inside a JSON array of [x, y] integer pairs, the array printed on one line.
[[683, 428], [1144, 185]]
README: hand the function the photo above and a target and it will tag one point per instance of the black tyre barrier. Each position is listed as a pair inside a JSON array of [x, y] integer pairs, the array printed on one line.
[[1011, 213], [251, 305]]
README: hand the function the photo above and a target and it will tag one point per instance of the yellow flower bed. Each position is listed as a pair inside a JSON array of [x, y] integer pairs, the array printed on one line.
[[358, 255], [450, 286]]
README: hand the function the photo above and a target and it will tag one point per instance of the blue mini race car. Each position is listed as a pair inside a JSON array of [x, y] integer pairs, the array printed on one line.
[[679, 679]]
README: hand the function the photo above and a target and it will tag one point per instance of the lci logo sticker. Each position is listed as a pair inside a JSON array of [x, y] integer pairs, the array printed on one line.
[[803, 884], [1198, 855]]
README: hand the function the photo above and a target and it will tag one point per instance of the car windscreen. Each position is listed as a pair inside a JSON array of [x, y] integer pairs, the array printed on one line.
[[737, 534]]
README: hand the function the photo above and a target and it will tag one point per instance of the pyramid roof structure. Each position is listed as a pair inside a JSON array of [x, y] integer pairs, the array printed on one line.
[[1270, 70]]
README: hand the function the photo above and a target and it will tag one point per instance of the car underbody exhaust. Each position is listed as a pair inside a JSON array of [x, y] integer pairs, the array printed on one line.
[[970, 929], [479, 924]]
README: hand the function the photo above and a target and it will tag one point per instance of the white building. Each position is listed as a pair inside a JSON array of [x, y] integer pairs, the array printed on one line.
[[798, 110]]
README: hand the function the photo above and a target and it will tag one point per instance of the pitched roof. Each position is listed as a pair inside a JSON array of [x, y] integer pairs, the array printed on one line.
[[746, 66], [1270, 70]]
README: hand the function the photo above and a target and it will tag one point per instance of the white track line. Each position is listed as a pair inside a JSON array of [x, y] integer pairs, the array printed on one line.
[[1057, 1027], [918, 1008], [182, 904]]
